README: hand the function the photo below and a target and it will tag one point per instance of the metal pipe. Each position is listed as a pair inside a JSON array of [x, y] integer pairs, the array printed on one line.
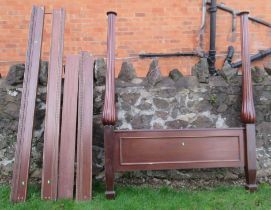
[[258, 56], [152, 55], [260, 21], [232, 11], [212, 51], [229, 54], [202, 28]]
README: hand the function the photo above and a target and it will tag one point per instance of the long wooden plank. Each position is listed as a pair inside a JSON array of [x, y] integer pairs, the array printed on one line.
[[26, 118], [68, 129], [84, 132], [52, 118]]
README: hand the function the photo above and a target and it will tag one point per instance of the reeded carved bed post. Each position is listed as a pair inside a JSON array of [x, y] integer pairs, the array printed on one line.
[[109, 110], [248, 115]]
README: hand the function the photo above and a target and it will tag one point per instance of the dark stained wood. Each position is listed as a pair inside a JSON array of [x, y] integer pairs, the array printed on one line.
[[175, 149], [52, 116], [179, 149], [155, 150], [68, 129], [84, 132], [250, 167], [248, 111], [109, 142], [26, 118], [248, 114], [109, 110], [171, 149]]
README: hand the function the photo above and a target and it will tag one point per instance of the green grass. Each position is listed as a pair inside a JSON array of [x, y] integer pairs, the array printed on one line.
[[141, 198]]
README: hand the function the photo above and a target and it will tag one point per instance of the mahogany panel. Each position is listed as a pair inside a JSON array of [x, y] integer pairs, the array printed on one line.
[[27, 109], [151, 150], [52, 116], [84, 132], [156, 150], [68, 129]]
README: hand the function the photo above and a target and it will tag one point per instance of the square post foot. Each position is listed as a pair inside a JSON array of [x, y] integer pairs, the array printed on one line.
[[251, 187], [110, 195]]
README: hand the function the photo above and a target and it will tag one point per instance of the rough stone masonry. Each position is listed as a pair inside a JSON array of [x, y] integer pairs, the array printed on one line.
[[154, 102]]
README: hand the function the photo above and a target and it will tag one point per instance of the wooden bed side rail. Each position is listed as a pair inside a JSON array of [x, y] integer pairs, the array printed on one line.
[[27, 109], [248, 111], [53, 108], [109, 109]]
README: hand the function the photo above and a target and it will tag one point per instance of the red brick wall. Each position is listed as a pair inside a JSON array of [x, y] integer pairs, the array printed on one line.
[[157, 26]]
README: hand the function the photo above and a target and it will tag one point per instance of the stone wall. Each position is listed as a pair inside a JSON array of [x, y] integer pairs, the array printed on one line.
[[154, 102]]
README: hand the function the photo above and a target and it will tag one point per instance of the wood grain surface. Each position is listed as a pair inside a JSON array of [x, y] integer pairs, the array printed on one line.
[[84, 131], [27, 109], [52, 116], [68, 129]]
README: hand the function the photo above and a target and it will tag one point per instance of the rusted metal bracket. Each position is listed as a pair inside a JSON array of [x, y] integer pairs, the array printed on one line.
[[84, 132], [26, 118], [52, 117]]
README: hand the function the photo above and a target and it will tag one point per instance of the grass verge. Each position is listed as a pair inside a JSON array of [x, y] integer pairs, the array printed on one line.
[[145, 198]]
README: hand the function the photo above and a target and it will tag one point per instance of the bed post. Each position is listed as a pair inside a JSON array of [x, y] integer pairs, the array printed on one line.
[[109, 110], [248, 115]]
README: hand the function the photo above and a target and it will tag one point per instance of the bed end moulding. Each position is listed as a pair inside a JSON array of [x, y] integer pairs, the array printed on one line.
[[182, 148]]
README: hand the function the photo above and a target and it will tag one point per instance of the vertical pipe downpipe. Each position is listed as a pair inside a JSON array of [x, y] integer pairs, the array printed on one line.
[[212, 51]]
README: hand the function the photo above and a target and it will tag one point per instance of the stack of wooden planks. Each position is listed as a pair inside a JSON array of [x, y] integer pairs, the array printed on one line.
[[67, 135]]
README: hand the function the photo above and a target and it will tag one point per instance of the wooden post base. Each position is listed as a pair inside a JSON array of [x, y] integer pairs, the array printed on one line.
[[250, 168], [110, 195], [109, 161], [251, 187]]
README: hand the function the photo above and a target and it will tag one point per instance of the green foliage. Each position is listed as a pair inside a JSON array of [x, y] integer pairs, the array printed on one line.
[[144, 198], [213, 99]]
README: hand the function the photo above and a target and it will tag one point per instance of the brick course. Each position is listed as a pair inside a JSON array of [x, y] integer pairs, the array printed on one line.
[[142, 26]]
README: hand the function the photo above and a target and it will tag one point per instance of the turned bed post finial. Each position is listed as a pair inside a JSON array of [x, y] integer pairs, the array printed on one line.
[[248, 111], [109, 110]]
